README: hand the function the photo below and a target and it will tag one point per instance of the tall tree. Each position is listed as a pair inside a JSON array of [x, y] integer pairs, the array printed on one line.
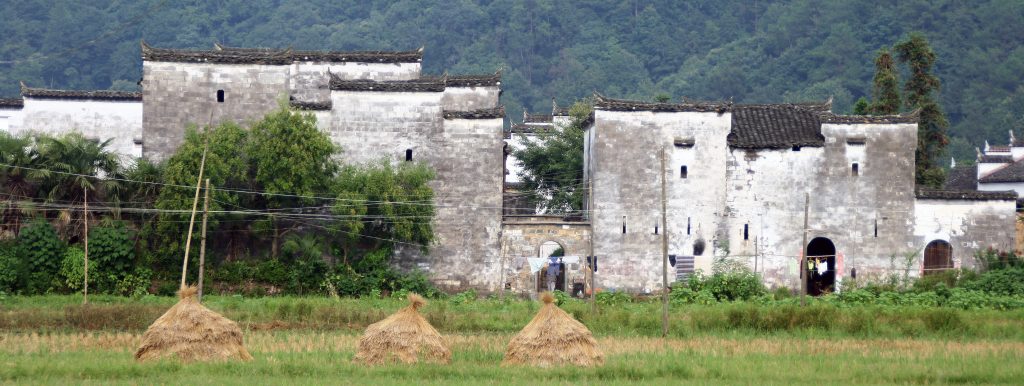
[[69, 166], [920, 89], [886, 91], [292, 157], [553, 164]]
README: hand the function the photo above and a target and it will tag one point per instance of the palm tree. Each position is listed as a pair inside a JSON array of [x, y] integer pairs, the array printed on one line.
[[72, 164], [18, 159]]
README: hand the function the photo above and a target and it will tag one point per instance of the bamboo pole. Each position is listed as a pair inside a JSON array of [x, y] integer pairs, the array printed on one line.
[[191, 222], [202, 243], [85, 220]]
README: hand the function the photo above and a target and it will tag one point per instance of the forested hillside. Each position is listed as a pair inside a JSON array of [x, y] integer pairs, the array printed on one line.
[[749, 51]]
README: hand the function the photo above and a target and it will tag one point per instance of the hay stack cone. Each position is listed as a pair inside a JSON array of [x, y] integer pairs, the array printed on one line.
[[553, 338], [192, 332], [403, 337]]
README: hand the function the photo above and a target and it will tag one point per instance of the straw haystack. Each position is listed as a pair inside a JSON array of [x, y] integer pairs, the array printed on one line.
[[192, 332], [553, 338], [404, 337]]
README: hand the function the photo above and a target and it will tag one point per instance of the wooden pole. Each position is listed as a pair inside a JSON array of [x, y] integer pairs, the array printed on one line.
[[593, 259], [803, 259], [664, 249], [202, 243], [85, 220], [191, 221]]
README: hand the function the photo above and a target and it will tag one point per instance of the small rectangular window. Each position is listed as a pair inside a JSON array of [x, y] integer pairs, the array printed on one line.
[[855, 169], [876, 227], [220, 96], [746, 231], [682, 171], [408, 155], [687, 225], [655, 228], [796, 147], [623, 224]]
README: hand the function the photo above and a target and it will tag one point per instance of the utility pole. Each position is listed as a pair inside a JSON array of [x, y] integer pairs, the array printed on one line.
[[803, 258], [593, 259], [664, 249], [202, 243], [85, 220], [191, 221]]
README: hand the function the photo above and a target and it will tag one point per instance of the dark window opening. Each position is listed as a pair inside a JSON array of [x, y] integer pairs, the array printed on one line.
[[687, 225], [408, 154], [623, 224], [876, 227], [220, 96], [856, 169], [698, 247], [682, 171], [746, 231], [796, 147], [655, 229]]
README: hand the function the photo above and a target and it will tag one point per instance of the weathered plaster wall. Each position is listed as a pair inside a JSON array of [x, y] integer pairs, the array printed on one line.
[[1002, 187], [968, 225], [522, 237], [10, 119], [766, 193], [177, 95], [371, 125], [626, 147], [470, 98], [119, 121], [309, 80]]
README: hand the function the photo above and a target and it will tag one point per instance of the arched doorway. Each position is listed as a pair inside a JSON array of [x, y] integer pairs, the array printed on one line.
[[938, 257], [821, 267], [554, 267]]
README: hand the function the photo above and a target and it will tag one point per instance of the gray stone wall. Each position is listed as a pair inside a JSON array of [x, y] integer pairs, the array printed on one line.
[[177, 95], [309, 80], [969, 226], [626, 149], [470, 98], [120, 122], [522, 237], [766, 193]]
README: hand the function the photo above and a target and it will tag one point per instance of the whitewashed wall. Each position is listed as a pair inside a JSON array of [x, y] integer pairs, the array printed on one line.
[[309, 80], [968, 226], [470, 98], [119, 121], [10, 119]]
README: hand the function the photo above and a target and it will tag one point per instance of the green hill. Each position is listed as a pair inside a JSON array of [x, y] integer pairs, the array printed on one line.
[[749, 51]]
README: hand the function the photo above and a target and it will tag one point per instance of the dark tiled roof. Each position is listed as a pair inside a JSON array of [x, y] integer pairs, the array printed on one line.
[[1011, 173], [774, 127], [235, 55], [415, 85], [258, 56], [523, 128], [962, 178], [497, 112], [310, 105], [827, 117], [1018, 142], [934, 194], [537, 118], [609, 104], [560, 111], [40, 93], [335, 56], [995, 159], [473, 80], [998, 149], [8, 103]]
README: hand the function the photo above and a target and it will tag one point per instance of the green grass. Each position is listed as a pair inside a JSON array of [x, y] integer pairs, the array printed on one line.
[[56, 340]]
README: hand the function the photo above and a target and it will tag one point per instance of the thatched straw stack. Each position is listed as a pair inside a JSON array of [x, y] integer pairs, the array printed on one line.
[[553, 338], [192, 332], [403, 337]]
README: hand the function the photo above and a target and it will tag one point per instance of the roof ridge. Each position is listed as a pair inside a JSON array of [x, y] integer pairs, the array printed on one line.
[[605, 103], [272, 56], [78, 94]]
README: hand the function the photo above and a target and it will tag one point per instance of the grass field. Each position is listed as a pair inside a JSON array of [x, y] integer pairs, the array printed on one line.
[[312, 341]]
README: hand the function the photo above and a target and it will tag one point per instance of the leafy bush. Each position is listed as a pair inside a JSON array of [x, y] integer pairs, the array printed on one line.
[[612, 298], [306, 274], [729, 281], [43, 252], [685, 295], [111, 255], [272, 272], [1007, 282], [11, 268], [991, 260], [467, 296], [72, 270]]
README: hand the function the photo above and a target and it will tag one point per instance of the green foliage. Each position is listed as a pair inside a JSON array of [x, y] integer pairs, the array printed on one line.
[[72, 270], [463, 297], [12, 270], [991, 259], [553, 164], [861, 107], [729, 281], [42, 251], [885, 91], [1006, 282], [612, 298], [111, 254], [917, 53], [396, 198]]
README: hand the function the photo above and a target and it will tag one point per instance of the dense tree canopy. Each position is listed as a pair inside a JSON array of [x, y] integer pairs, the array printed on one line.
[[760, 51]]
